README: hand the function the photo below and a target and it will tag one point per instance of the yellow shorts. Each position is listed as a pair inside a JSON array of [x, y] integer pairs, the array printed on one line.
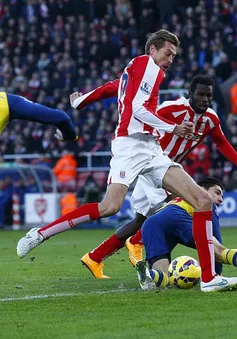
[[4, 111]]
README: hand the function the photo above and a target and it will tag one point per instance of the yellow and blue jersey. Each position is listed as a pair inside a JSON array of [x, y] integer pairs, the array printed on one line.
[[182, 204], [4, 111], [170, 226]]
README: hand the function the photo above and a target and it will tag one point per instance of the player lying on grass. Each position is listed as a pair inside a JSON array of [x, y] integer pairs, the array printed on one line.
[[145, 198], [136, 152], [16, 107], [172, 225]]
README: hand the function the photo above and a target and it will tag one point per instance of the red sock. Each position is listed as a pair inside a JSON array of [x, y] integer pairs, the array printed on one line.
[[108, 247], [137, 238], [80, 215], [202, 232]]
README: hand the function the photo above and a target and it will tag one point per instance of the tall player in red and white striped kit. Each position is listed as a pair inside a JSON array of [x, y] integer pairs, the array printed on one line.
[[136, 152]]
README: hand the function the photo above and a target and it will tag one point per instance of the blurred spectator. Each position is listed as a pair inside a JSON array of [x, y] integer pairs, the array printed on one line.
[[200, 160], [68, 202], [90, 191], [65, 170], [233, 98], [49, 49]]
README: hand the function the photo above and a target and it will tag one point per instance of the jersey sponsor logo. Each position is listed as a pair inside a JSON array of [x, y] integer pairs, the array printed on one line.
[[195, 137], [122, 174], [202, 128], [146, 88]]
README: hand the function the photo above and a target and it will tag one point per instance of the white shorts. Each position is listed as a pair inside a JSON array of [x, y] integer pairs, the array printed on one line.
[[138, 154], [146, 199]]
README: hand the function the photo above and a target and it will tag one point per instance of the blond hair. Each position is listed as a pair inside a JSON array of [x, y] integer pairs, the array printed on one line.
[[159, 38]]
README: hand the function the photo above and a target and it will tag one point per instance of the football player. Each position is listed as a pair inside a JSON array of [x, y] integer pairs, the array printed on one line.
[[172, 225]]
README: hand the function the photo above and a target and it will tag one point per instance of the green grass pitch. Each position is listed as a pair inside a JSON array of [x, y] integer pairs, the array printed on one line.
[[49, 294]]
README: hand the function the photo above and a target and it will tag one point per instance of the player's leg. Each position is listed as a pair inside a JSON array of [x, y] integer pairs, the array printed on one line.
[[110, 205], [225, 255], [93, 259], [146, 200], [157, 246], [179, 182], [23, 109], [126, 164], [117, 240]]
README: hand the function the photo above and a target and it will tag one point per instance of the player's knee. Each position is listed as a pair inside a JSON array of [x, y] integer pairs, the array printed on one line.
[[108, 207], [204, 201]]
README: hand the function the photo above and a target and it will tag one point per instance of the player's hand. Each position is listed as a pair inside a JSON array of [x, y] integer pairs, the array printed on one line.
[[186, 129], [73, 97], [58, 135]]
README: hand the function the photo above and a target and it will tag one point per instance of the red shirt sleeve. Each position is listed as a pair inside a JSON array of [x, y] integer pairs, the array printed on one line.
[[223, 144], [108, 90]]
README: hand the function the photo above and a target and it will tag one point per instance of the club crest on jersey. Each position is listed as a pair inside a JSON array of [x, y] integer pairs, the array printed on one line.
[[146, 88], [122, 174]]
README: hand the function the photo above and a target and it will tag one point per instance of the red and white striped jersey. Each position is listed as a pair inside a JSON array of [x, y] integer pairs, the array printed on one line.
[[177, 148], [138, 92], [176, 111]]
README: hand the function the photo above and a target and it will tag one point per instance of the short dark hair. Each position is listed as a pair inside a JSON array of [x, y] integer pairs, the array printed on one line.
[[203, 80], [208, 182], [159, 38]]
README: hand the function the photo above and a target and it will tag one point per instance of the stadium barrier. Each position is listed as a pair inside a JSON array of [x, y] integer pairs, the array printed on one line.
[[47, 211], [43, 207], [16, 212]]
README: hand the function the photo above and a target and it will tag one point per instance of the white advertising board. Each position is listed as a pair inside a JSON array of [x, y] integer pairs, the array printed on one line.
[[41, 208]]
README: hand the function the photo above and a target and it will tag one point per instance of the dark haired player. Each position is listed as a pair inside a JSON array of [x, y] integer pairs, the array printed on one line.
[[172, 225]]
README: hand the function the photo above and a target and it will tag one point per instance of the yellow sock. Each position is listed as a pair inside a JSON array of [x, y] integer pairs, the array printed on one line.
[[229, 256], [160, 278]]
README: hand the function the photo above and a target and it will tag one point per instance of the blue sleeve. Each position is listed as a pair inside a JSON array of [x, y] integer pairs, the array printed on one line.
[[23, 109], [216, 233]]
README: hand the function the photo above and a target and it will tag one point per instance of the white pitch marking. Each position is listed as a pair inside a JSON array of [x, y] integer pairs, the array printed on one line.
[[58, 295]]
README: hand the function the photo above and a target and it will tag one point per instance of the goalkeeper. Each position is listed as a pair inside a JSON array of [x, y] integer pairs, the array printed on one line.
[[172, 225], [16, 107]]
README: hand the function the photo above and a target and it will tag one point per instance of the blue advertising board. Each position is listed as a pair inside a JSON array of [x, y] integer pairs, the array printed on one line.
[[228, 210]]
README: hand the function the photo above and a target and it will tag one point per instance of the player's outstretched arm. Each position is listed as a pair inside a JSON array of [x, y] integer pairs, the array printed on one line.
[[222, 143], [23, 109], [108, 90]]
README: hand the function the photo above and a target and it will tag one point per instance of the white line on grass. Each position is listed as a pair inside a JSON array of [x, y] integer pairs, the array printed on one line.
[[58, 295]]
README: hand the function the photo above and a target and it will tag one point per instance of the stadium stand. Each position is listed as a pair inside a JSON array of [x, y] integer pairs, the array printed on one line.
[[51, 48]]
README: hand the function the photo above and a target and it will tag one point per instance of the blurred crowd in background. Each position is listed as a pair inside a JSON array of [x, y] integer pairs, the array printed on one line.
[[51, 48]]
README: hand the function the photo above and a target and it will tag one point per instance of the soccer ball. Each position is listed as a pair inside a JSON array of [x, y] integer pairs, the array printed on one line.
[[184, 272]]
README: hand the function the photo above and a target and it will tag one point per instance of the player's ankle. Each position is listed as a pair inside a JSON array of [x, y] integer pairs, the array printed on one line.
[[229, 256]]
